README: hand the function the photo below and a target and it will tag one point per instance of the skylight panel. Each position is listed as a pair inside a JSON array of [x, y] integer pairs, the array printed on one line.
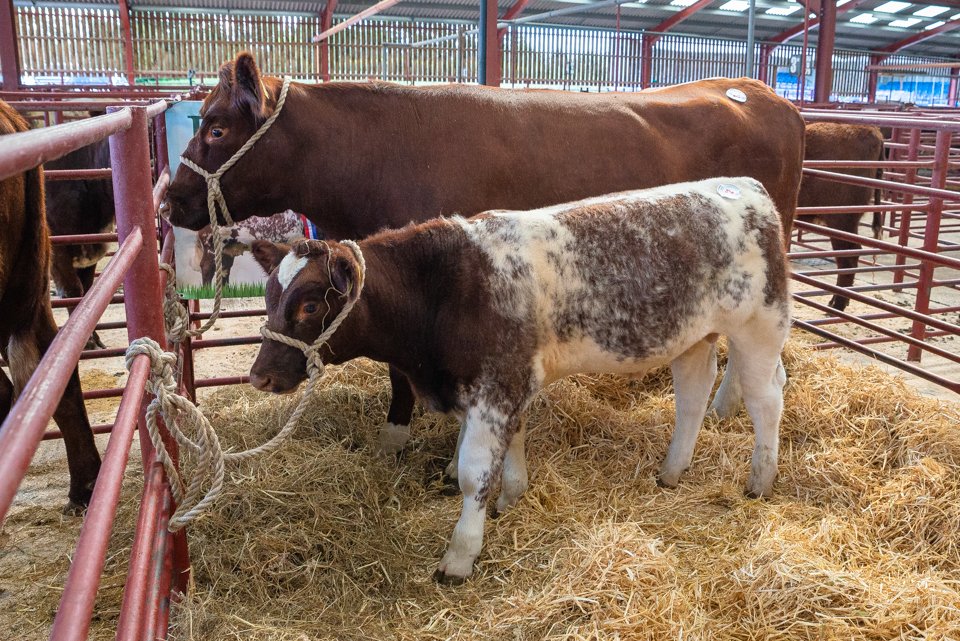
[[892, 7], [735, 5], [955, 17], [936, 24], [864, 18], [783, 11], [842, 2], [904, 22], [931, 11], [682, 3]]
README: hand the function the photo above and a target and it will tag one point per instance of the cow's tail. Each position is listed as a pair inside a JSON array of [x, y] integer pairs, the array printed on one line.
[[877, 224]]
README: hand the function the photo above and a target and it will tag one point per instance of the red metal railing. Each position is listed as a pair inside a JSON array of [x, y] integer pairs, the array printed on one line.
[[922, 208], [159, 560]]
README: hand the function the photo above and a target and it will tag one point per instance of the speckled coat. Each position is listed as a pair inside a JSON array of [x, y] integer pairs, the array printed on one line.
[[481, 313]]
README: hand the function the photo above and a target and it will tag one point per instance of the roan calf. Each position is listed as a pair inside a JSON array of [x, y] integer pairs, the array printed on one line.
[[482, 313]]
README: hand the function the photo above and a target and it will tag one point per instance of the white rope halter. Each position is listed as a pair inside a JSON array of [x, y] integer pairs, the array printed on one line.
[[312, 351], [178, 319], [179, 413]]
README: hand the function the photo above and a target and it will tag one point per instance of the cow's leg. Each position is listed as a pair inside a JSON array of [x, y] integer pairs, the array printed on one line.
[[726, 403], [86, 275], [396, 432], [83, 459], [694, 372], [762, 377], [486, 434], [848, 224], [514, 480], [451, 470]]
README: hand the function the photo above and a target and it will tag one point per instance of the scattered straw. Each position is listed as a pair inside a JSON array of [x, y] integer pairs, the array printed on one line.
[[322, 540]]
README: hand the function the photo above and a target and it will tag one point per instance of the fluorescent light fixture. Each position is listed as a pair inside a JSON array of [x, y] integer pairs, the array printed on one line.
[[735, 5], [892, 7], [842, 2], [936, 24], [783, 11], [904, 22], [955, 17], [682, 3], [931, 11], [864, 18]]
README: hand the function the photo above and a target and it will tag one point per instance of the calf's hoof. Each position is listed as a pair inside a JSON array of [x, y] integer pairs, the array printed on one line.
[[453, 571], [756, 490], [450, 487], [665, 485], [448, 579]]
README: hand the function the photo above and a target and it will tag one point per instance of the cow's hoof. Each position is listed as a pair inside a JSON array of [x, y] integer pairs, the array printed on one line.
[[94, 342], [74, 509], [754, 493], [392, 439], [839, 303], [443, 578]]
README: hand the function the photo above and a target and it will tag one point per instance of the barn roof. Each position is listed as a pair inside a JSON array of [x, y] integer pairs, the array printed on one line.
[[872, 24]]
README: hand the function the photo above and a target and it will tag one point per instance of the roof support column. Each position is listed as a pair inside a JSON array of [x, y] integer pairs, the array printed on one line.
[[646, 61], [488, 50], [823, 82], [326, 21], [9, 55], [127, 41], [873, 77]]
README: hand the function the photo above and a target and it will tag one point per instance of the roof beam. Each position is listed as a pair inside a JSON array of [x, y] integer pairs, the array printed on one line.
[[352, 20], [681, 15], [797, 29], [919, 37], [512, 13]]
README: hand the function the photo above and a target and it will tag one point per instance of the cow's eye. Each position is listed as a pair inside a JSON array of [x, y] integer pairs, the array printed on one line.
[[310, 308], [216, 132]]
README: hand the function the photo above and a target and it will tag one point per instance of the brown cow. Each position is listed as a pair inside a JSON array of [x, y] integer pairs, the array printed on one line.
[[26, 319], [835, 141], [359, 157]]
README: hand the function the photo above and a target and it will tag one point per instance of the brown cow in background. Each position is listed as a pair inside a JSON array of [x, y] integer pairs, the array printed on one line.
[[26, 319], [835, 141]]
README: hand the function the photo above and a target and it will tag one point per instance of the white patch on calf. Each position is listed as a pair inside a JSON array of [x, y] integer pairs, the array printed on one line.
[[289, 267]]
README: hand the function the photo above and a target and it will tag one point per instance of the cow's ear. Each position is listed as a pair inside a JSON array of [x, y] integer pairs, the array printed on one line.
[[268, 255], [225, 75], [343, 275], [248, 89]]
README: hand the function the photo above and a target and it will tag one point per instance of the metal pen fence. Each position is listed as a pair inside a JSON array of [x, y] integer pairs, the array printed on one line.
[[73, 45]]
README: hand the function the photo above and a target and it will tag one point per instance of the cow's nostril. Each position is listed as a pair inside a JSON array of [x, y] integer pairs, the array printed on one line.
[[261, 382]]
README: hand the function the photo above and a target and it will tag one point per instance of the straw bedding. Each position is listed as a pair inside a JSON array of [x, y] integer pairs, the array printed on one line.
[[323, 540]]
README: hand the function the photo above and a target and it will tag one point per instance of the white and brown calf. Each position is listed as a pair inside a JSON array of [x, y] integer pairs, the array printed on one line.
[[480, 314]]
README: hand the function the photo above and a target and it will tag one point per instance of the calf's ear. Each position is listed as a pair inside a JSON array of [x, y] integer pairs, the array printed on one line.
[[343, 276], [268, 255], [247, 86]]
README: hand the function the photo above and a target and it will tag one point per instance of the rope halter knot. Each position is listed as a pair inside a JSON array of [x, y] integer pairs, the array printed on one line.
[[312, 350]]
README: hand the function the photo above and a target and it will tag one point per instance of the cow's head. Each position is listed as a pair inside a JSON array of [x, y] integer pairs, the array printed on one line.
[[308, 286], [233, 111]]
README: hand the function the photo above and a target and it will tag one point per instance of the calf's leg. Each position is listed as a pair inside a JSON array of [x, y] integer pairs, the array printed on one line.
[[694, 372], [486, 434], [848, 224], [86, 274], [396, 431], [762, 378], [6, 395], [514, 480], [726, 403]]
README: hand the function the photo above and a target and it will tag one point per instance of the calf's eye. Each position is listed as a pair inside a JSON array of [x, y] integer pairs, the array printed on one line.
[[216, 132], [310, 308]]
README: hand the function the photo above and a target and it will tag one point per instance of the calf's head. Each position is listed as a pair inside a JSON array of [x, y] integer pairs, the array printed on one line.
[[234, 110], [308, 286]]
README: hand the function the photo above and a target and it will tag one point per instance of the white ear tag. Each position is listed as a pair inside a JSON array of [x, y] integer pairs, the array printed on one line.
[[737, 95], [731, 192]]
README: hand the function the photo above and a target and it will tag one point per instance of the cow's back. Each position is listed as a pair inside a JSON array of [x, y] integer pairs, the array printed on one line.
[[456, 149], [24, 242], [837, 141]]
